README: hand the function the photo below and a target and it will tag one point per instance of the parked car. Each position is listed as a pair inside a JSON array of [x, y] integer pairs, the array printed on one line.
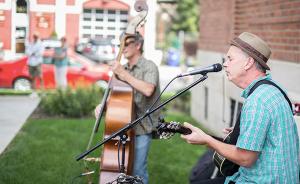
[[81, 72], [99, 50]]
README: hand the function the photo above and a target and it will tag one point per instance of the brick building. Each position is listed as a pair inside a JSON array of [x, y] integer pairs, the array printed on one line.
[[277, 22], [75, 19]]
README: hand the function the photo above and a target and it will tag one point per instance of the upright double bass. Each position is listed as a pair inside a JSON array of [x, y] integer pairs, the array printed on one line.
[[120, 111]]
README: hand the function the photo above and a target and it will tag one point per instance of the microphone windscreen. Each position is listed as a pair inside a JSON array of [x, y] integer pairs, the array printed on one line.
[[218, 67]]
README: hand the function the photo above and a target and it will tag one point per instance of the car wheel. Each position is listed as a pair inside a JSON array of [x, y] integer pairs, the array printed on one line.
[[22, 84]]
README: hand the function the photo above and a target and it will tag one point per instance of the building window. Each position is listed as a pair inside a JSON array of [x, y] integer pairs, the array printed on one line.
[[87, 27], [99, 27], [124, 16], [99, 11], [99, 15], [111, 36], [20, 32], [111, 28], [99, 19], [205, 102], [98, 36], [21, 6], [86, 36], [235, 108], [111, 15], [122, 12], [87, 14]]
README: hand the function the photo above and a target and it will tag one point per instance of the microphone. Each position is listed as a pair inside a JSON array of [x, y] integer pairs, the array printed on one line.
[[203, 71]]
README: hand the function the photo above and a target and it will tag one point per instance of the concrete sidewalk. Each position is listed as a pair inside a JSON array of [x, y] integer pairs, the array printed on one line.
[[14, 111]]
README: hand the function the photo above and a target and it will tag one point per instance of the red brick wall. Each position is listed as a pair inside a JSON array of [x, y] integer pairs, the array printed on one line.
[[216, 24], [72, 28], [42, 23], [5, 28], [276, 21], [46, 2], [70, 2]]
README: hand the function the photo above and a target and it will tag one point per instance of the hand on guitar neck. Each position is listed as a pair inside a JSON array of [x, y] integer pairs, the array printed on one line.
[[187, 131], [195, 135], [167, 130]]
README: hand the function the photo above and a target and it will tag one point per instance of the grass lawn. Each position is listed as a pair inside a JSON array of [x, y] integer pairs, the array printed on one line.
[[8, 91], [44, 151]]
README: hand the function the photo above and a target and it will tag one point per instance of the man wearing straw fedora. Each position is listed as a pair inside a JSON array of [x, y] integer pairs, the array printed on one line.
[[267, 145]]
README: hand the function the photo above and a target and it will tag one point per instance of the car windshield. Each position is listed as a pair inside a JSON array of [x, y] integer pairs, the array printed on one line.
[[48, 44], [73, 62]]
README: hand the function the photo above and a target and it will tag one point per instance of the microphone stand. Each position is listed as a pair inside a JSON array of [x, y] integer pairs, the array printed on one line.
[[136, 121]]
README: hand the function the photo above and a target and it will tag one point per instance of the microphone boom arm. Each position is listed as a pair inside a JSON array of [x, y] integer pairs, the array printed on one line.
[[132, 124]]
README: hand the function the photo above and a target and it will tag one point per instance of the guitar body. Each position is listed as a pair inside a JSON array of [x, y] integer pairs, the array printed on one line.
[[226, 167], [120, 111]]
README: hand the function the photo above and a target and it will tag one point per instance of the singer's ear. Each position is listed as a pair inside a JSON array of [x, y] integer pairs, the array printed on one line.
[[249, 63]]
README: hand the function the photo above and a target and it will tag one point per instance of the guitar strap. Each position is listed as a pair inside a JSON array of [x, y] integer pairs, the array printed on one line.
[[236, 130]]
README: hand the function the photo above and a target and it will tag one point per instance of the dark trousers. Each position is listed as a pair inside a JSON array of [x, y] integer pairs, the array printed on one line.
[[218, 180], [203, 170]]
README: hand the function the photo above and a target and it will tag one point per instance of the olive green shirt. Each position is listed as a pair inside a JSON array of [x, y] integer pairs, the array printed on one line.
[[147, 71]]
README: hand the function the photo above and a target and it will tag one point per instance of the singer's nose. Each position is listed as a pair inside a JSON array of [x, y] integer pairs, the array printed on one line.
[[225, 62]]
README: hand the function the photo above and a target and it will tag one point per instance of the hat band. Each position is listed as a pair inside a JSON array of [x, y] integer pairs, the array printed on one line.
[[250, 49]]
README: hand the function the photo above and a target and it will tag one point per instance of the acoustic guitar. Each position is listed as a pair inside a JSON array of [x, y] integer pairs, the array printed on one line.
[[167, 130], [225, 166]]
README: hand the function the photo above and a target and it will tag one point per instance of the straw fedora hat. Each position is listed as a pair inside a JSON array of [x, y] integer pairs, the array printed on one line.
[[254, 46]]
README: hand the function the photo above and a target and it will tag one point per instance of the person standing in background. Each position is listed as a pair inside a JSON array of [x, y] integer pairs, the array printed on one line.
[[61, 62], [35, 51]]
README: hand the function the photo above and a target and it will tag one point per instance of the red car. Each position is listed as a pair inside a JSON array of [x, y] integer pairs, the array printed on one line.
[[81, 72]]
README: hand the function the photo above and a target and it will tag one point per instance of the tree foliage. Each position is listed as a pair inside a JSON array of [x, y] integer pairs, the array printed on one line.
[[187, 16]]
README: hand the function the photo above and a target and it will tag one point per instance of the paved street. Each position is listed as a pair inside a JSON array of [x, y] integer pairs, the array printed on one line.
[[14, 112]]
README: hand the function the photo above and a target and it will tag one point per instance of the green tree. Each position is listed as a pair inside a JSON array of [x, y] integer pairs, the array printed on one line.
[[187, 16]]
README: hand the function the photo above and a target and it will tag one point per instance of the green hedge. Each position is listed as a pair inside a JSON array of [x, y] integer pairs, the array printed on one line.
[[71, 103], [181, 104], [82, 102]]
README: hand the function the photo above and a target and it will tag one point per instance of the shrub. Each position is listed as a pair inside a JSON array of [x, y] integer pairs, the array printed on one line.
[[71, 103], [181, 103]]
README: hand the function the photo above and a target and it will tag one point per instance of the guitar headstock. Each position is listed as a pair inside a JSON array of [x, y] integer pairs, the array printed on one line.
[[167, 130]]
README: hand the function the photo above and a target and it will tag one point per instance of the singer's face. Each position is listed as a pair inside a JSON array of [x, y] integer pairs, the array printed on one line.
[[235, 64]]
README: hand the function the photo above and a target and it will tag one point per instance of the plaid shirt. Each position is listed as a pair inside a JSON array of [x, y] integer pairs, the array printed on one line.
[[267, 126], [147, 71]]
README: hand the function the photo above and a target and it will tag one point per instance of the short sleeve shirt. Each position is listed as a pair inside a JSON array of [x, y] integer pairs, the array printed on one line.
[[35, 52], [64, 61], [147, 71], [267, 126]]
